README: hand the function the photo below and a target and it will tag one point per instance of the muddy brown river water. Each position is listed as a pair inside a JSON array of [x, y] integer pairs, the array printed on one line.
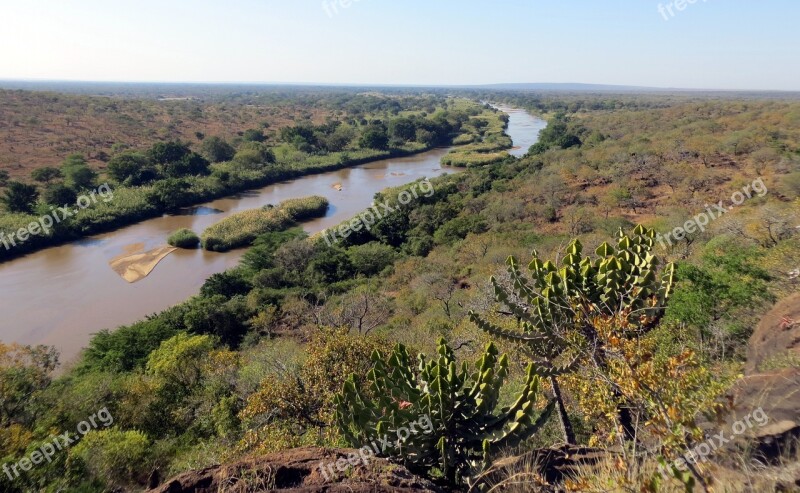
[[61, 295]]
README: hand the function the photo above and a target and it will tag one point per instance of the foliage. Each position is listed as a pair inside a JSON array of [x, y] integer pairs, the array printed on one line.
[[374, 137], [721, 292], [79, 176], [459, 402], [132, 168], [227, 284], [24, 371], [300, 402], [558, 134], [243, 228], [59, 194], [217, 150], [19, 197], [115, 457], [563, 307], [184, 238], [46, 174]]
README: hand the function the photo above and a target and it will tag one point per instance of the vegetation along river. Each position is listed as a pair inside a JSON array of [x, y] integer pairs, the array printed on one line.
[[61, 295]]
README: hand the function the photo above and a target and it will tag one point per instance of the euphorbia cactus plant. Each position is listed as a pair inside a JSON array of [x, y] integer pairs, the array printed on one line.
[[556, 306], [459, 402]]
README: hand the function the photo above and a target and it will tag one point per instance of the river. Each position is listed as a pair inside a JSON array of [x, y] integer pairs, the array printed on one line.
[[60, 296]]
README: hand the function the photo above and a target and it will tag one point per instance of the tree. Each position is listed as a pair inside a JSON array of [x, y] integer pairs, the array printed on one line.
[[362, 309], [253, 155], [339, 139], [191, 164], [132, 167], [80, 177], [4, 177], [46, 175], [169, 194], [402, 129], [370, 259], [20, 197], [253, 135], [217, 150], [74, 160], [374, 137], [113, 457], [227, 284], [24, 371], [426, 137], [180, 360], [168, 152], [59, 194]]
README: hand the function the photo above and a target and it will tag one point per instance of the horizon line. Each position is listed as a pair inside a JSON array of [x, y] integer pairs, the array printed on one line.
[[589, 85]]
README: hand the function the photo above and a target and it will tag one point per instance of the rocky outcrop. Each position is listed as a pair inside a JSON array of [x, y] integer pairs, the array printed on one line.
[[299, 471], [777, 336], [772, 383]]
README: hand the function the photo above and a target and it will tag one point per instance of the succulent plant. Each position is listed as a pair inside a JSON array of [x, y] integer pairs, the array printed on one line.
[[460, 404], [555, 306]]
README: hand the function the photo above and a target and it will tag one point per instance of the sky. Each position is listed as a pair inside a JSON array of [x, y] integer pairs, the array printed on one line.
[[709, 44]]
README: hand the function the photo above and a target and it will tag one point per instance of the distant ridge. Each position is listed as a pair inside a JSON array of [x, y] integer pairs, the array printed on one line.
[[572, 86]]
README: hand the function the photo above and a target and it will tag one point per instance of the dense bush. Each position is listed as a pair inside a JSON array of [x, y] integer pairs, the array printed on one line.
[[184, 238]]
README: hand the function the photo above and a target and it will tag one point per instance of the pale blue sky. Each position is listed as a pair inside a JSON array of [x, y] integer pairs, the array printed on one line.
[[724, 44]]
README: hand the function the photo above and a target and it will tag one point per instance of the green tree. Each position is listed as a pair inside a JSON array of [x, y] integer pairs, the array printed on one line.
[[253, 155], [370, 259], [253, 135], [59, 194], [80, 177], [131, 167], [113, 457], [24, 371], [20, 197], [191, 164], [402, 129], [168, 152], [227, 284], [169, 194], [180, 359], [217, 150], [4, 177], [46, 175], [374, 137]]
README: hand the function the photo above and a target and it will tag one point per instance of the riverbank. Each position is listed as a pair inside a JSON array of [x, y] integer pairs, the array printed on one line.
[[60, 296], [79, 229]]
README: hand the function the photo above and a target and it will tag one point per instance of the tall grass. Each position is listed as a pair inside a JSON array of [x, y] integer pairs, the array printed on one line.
[[243, 228]]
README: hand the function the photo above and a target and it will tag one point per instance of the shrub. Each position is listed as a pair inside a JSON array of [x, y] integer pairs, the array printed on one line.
[[116, 457], [20, 197], [184, 238], [59, 194], [216, 150]]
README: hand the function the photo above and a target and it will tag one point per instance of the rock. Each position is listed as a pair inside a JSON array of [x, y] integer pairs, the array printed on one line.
[[778, 394], [298, 471], [777, 335], [771, 383]]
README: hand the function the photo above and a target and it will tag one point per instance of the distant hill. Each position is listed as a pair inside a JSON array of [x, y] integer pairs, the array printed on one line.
[[569, 86]]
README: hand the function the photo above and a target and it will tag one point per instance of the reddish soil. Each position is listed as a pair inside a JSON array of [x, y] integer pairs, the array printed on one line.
[[40, 129]]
